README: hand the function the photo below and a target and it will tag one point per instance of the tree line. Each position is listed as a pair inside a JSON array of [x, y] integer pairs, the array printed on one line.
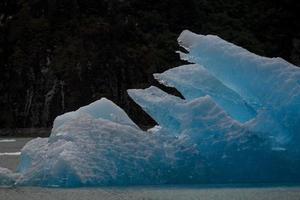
[[58, 55]]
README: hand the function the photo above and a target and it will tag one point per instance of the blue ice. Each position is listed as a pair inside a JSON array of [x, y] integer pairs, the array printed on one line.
[[194, 81], [269, 85], [239, 122]]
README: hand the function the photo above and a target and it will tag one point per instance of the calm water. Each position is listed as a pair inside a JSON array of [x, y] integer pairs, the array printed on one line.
[[10, 151], [9, 158], [152, 193]]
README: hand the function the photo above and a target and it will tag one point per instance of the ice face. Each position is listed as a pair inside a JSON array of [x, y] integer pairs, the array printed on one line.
[[90, 151], [239, 122], [195, 81], [207, 125], [87, 150], [179, 116], [269, 85]]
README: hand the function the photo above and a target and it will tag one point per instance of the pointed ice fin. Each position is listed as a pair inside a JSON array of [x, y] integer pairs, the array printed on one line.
[[269, 84], [202, 115], [194, 81]]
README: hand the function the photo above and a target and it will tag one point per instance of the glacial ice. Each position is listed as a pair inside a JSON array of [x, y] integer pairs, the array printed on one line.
[[194, 81], [104, 109], [268, 85], [181, 116], [239, 122], [90, 151]]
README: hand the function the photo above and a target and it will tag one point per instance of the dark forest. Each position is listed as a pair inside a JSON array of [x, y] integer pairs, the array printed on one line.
[[58, 55]]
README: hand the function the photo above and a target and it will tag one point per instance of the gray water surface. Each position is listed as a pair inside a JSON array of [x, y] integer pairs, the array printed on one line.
[[9, 147], [152, 193]]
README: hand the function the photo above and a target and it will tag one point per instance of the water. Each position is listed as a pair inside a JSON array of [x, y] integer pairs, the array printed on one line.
[[10, 150], [10, 154], [152, 193], [202, 192], [7, 140]]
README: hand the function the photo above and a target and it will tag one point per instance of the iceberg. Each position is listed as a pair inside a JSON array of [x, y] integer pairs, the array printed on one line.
[[238, 122]]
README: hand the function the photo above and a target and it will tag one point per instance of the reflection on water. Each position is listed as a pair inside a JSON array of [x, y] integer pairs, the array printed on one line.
[[8, 140], [10, 154], [151, 193], [10, 150], [7, 149]]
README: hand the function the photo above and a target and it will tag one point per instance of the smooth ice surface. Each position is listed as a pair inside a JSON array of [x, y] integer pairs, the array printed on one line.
[[238, 123]]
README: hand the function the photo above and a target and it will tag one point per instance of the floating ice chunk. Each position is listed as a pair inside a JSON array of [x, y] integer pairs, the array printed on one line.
[[270, 84], [7, 177], [195, 81]]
